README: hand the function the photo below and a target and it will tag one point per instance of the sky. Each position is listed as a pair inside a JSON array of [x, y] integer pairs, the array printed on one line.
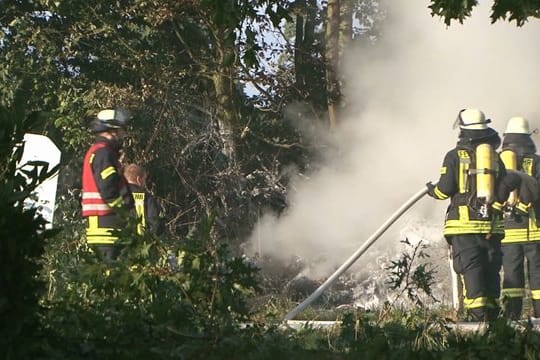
[[404, 94]]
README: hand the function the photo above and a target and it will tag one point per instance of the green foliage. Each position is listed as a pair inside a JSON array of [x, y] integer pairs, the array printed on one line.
[[518, 11], [452, 9], [160, 58], [506, 341], [164, 306], [416, 335], [22, 234], [409, 276]]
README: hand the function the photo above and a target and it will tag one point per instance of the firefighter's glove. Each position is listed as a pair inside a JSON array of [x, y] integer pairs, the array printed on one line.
[[431, 189]]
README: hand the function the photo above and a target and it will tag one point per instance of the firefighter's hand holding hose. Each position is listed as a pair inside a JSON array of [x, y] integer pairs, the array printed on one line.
[[510, 183], [434, 191], [431, 189]]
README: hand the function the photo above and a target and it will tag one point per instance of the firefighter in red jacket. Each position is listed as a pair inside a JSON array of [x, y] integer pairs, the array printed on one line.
[[475, 180], [104, 188], [522, 240]]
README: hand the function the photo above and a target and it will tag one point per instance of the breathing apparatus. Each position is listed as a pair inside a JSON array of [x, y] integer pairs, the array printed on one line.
[[473, 122], [509, 159], [485, 177]]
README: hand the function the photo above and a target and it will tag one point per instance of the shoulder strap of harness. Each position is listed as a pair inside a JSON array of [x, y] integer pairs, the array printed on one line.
[[465, 164], [527, 165]]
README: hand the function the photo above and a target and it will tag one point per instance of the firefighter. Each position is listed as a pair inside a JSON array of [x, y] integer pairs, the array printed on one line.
[[149, 210], [522, 240], [475, 180], [104, 189]]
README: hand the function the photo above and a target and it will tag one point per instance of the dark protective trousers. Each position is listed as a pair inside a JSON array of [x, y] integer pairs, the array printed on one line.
[[107, 252], [514, 256], [478, 260]]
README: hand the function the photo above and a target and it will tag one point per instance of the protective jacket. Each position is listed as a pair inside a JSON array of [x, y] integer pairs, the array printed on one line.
[[104, 191], [524, 228], [459, 184], [149, 211]]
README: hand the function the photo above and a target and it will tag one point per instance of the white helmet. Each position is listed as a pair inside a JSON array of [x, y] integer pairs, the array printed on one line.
[[472, 119], [110, 119], [517, 125]]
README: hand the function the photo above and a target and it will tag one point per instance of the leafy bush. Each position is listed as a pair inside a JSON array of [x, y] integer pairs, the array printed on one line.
[[410, 277], [148, 303], [22, 234]]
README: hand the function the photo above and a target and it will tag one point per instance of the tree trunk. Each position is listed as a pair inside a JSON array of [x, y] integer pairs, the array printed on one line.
[[332, 60], [345, 40], [298, 43], [303, 50], [345, 27], [227, 116]]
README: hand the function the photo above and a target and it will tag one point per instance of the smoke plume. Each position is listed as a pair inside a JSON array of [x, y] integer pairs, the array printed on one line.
[[405, 91]]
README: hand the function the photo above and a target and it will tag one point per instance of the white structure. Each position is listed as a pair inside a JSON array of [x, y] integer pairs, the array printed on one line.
[[41, 148]]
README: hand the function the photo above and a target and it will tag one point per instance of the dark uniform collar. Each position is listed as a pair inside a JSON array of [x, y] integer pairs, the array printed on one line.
[[472, 138], [135, 188], [521, 144], [115, 145]]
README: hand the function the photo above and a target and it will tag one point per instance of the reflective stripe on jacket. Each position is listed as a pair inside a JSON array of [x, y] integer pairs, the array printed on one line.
[[92, 201], [140, 210], [99, 235]]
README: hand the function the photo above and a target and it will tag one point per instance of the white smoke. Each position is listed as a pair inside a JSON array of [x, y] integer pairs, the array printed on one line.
[[405, 92]]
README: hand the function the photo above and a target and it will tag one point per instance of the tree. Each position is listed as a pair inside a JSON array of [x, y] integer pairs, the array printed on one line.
[[177, 65], [180, 67]]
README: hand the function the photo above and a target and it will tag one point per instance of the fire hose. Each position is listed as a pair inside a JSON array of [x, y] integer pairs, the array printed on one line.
[[352, 259]]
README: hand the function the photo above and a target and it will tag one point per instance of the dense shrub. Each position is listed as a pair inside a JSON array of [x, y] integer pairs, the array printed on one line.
[[22, 235]]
